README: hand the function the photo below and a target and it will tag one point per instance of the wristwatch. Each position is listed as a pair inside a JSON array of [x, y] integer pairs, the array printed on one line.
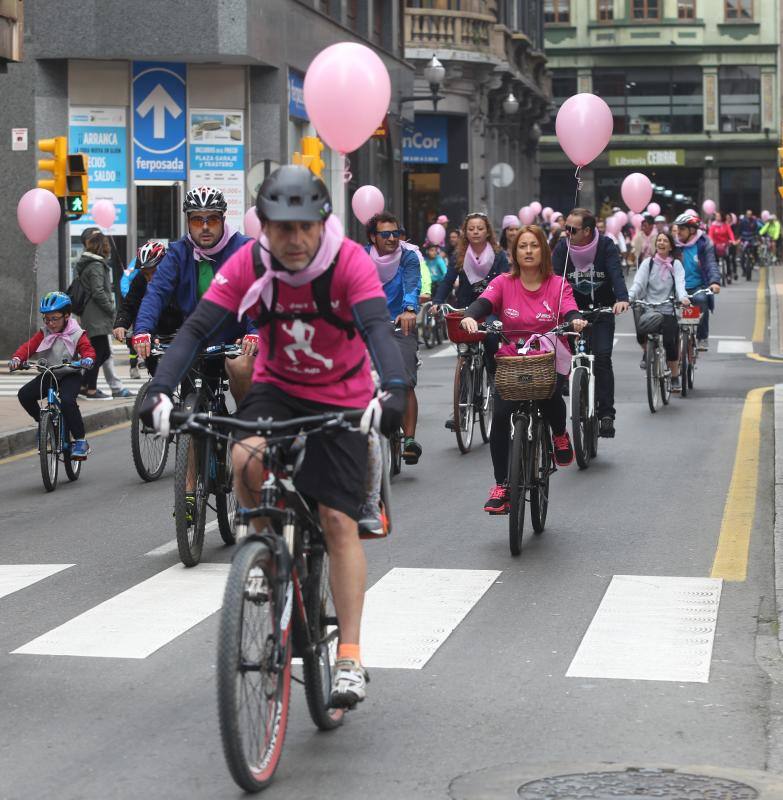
[[411, 309]]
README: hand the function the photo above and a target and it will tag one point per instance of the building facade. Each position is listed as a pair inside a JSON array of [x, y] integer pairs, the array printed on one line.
[[693, 88], [166, 95], [490, 49]]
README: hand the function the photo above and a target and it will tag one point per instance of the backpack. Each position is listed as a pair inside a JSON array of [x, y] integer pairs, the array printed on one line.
[[79, 296]]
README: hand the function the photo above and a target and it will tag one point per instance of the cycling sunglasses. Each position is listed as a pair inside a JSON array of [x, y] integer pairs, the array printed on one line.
[[389, 234], [571, 229]]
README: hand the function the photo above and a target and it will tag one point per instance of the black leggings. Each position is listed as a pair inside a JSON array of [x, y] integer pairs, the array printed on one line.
[[671, 339], [69, 390], [102, 352], [554, 411]]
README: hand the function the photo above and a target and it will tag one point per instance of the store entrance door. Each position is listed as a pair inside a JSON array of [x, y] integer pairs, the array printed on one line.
[[422, 202], [158, 211]]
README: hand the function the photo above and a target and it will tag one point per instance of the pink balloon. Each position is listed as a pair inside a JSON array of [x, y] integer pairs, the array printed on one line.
[[708, 207], [252, 223], [346, 93], [555, 216], [436, 234], [584, 127], [613, 225], [536, 206], [38, 213], [104, 213], [546, 214], [442, 220], [621, 217], [526, 215], [732, 218], [636, 191], [765, 215], [636, 221], [691, 211], [367, 201], [654, 209]]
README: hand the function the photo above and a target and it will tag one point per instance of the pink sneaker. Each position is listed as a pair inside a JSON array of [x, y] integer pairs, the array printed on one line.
[[497, 503], [564, 453]]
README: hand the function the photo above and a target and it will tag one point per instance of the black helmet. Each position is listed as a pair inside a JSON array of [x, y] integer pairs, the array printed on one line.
[[293, 194]]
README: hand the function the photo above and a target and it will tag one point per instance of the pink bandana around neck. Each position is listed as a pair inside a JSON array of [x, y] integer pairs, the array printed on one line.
[[388, 265], [206, 253], [262, 288], [664, 264], [477, 267], [66, 335], [583, 256]]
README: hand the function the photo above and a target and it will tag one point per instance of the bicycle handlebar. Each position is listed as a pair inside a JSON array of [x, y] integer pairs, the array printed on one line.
[[187, 419], [43, 366]]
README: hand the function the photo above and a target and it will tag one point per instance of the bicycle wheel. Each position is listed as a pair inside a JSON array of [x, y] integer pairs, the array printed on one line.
[[693, 355], [190, 519], [47, 451], [517, 487], [253, 669], [684, 363], [395, 453], [540, 455], [653, 384], [427, 328], [318, 659], [722, 265], [665, 376], [72, 468], [225, 499], [580, 421], [464, 411], [487, 403], [149, 451]]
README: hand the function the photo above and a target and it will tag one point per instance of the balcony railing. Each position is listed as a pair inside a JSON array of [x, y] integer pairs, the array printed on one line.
[[437, 28]]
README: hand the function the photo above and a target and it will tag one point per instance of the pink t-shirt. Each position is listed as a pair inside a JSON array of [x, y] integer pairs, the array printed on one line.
[[310, 357], [529, 312]]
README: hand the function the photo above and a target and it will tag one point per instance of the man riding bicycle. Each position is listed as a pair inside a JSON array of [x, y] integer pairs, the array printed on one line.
[[748, 233], [310, 290]]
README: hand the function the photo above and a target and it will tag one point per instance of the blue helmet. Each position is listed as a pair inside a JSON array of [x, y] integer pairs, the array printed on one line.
[[54, 301]]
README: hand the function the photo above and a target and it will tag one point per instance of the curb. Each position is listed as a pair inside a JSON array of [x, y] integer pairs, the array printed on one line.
[[24, 439], [772, 297], [778, 502]]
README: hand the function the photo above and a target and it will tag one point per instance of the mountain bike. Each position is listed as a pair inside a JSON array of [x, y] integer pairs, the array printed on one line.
[[202, 466], [277, 603], [724, 265], [689, 318], [473, 385], [431, 329], [54, 438], [658, 376], [748, 257]]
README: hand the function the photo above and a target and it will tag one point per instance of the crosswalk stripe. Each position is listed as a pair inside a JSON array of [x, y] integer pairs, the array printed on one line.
[[14, 577], [651, 628], [171, 546], [140, 620], [735, 348], [449, 350]]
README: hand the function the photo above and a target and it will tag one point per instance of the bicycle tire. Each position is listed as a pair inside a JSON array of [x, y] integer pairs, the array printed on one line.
[[684, 364], [540, 455], [395, 453], [665, 378], [464, 410], [47, 451], [517, 487], [252, 764], [225, 499], [653, 385], [150, 452], [73, 468], [427, 329], [580, 423], [190, 538], [693, 357], [318, 660], [487, 403]]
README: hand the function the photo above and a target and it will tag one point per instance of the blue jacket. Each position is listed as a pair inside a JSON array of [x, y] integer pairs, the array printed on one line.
[[708, 264], [176, 279], [466, 293], [604, 285], [405, 287]]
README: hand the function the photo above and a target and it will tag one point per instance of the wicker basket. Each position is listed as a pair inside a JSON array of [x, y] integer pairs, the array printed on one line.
[[530, 377], [460, 335]]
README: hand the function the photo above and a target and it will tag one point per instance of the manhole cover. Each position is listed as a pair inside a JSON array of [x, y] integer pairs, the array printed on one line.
[[633, 784]]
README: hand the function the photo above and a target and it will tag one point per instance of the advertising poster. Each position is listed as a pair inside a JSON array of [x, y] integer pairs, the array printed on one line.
[[101, 134], [217, 157]]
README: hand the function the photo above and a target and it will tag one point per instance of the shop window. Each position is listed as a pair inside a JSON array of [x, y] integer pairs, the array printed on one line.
[[563, 87], [740, 99], [646, 9], [605, 10], [686, 9], [740, 189], [738, 10], [557, 12]]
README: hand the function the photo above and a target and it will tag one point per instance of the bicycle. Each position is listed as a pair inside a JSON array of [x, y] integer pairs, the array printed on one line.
[[207, 463], [54, 439], [473, 386], [277, 602], [658, 376], [689, 318], [724, 266], [748, 257], [431, 329], [584, 422]]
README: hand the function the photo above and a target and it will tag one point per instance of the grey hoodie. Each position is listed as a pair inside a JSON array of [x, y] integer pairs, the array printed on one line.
[[655, 285]]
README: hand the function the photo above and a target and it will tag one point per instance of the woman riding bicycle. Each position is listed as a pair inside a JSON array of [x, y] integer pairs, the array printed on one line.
[[529, 299], [656, 279]]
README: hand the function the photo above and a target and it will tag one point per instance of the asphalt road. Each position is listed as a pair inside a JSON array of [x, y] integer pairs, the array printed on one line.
[[494, 693]]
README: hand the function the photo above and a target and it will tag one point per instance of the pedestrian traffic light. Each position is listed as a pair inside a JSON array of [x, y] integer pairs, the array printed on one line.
[[58, 166], [310, 156], [76, 185]]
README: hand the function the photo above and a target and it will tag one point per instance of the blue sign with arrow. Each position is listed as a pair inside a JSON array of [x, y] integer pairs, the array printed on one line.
[[159, 121]]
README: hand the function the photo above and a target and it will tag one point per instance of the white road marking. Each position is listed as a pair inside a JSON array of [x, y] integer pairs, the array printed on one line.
[[450, 350], [14, 577], [735, 347], [409, 613], [169, 547], [651, 628], [615, 342], [712, 336], [140, 620]]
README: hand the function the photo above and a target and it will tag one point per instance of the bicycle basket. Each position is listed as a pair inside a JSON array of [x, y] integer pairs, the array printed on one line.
[[690, 315], [530, 377], [457, 334]]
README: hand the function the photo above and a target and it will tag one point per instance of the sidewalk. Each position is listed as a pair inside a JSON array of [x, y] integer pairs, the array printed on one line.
[[775, 286]]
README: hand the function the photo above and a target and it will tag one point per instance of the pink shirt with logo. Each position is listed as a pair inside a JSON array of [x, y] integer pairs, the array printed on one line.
[[531, 312], [310, 357]]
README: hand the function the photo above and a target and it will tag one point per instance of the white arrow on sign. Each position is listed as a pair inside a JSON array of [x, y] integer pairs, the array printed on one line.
[[159, 101]]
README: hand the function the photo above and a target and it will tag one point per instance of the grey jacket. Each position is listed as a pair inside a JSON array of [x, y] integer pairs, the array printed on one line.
[[656, 286], [95, 274]]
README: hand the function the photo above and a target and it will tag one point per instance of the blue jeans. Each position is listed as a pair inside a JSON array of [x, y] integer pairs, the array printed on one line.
[[602, 334]]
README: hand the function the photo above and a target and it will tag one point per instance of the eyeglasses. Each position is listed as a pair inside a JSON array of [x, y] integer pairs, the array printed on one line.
[[389, 234], [213, 220], [571, 229], [52, 318]]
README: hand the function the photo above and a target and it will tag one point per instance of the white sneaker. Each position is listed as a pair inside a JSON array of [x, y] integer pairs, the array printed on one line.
[[702, 346], [349, 685], [371, 521], [134, 373]]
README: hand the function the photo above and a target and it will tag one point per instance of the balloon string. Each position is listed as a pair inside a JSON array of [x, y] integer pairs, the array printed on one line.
[[347, 174], [579, 184]]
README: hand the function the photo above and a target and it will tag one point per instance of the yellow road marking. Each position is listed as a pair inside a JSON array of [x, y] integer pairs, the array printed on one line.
[[29, 453], [765, 359], [760, 326], [731, 557]]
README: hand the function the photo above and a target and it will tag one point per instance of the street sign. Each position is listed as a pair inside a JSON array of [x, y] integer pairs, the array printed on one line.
[[502, 175], [159, 121]]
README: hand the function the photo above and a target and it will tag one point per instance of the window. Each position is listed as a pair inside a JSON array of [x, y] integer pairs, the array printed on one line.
[[377, 22], [740, 99], [646, 9], [563, 87], [605, 10], [738, 9], [352, 15], [740, 188], [686, 9], [557, 12]]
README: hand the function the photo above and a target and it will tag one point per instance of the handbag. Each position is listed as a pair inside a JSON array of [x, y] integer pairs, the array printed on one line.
[[648, 321]]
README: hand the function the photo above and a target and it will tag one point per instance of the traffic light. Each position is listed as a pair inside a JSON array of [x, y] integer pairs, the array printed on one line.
[[76, 185], [780, 169], [310, 156], [58, 165]]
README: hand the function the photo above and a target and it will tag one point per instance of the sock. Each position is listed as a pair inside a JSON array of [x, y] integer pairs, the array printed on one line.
[[349, 651]]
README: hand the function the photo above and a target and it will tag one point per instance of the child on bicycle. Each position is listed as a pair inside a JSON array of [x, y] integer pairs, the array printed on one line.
[[61, 340]]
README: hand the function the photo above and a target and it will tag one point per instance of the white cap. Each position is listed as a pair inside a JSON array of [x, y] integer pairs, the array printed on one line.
[[660, 218]]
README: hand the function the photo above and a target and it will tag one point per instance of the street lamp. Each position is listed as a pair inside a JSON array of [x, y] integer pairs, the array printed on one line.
[[434, 74], [510, 105]]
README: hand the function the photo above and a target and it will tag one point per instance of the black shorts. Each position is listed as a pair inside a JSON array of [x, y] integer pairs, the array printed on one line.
[[409, 347], [334, 468]]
